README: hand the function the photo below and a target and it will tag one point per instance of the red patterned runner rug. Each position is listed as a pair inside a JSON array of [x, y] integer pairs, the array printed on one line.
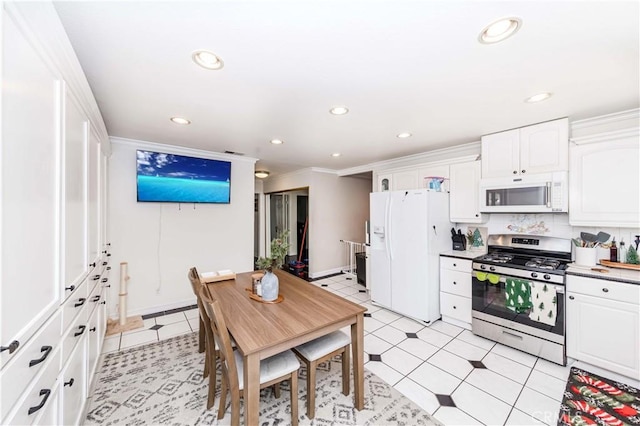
[[592, 400]]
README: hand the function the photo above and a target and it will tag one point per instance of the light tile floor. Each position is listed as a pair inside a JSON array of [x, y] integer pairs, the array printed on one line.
[[430, 365]]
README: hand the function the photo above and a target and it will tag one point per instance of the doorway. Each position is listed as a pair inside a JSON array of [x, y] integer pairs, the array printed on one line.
[[289, 210]]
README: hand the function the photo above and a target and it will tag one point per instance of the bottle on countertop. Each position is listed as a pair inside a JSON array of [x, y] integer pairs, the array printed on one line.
[[613, 251], [622, 252]]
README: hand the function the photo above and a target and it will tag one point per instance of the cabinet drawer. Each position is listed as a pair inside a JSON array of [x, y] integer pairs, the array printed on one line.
[[26, 365], [73, 306], [74, 385], [456, 282], [455, 264], [37, 397], [609, 290], [455, 306]]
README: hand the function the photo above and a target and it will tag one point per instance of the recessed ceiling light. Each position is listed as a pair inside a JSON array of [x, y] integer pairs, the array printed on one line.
[[277, 141], [180, 120], [500, 30], [403, 135], [207, 59], [336, 154], [538, 98], [261, 174], [339, 110]]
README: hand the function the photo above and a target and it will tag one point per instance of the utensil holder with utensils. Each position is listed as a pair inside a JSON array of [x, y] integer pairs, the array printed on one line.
[[586, 256]]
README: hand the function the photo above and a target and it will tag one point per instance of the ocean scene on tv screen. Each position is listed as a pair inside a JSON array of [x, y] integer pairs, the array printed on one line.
[[179, 179]]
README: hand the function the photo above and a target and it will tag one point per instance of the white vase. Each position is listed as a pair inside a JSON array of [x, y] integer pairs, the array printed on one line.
[[270, 287]]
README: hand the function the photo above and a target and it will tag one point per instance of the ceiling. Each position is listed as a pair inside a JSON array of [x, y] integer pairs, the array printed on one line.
[[399, 66]]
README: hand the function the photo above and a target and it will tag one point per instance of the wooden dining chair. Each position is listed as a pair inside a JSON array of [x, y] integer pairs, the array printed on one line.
[[206, 337], [273, 370], [319, 350]]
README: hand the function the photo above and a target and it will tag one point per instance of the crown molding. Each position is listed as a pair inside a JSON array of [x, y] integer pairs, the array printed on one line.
[[455, 154], [180, 150], [614, 135], [629, 115], [322, 170]]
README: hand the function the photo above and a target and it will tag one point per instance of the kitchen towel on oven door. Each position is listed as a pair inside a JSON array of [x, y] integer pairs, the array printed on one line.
[[545, 303], [517, 295]]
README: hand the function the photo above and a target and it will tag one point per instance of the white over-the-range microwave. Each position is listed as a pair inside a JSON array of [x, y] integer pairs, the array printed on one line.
[[536, 193]]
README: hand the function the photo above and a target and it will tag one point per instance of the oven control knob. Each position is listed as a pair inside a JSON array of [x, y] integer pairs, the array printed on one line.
[[483, 267], [547, 276], [534, 275], [491, 268]]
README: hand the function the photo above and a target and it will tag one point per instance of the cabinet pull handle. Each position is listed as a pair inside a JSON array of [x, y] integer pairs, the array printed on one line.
[[81, 328], [47, 350], [96, 298], [108, 254], [104, 280], [70, 288], [92, 329], [11, 348], [108, 268], [80, 302], [512, 335], [43, 392], [69, 383], [571, 297], [606, 290], [104, 263], [95, 277]]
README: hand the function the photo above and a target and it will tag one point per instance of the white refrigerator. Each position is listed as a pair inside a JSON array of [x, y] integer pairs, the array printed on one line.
[[408, 231]]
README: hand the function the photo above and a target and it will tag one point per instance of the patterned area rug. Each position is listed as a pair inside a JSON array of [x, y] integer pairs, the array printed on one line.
[[591, 400], [161, 383]]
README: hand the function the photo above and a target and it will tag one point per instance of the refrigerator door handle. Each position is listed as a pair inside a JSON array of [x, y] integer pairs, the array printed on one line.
[[389, 229]]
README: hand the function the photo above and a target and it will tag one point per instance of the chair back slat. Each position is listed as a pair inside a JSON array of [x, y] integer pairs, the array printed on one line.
[[197, 286], [219, 329]]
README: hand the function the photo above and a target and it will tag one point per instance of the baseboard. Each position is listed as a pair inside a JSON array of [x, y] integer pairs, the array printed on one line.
[[160, 308], [320, 274]]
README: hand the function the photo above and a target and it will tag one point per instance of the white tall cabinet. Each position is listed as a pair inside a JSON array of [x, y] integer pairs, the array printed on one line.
[[54, 266], [465, 193]]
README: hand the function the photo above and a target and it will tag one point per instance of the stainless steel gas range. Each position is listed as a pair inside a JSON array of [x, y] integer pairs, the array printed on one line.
[[518, 294]]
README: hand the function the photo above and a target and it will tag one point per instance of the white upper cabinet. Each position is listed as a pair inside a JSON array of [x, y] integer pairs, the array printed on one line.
[[464, 201], [604, 184], [406, 180], [539, 148]]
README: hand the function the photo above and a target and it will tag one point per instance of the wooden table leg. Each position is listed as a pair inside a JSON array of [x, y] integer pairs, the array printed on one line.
[[357, 346], [251, 389]]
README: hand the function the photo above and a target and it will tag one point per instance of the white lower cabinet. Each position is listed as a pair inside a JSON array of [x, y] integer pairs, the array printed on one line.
[[455, 291], [603, 324], [74, 384]]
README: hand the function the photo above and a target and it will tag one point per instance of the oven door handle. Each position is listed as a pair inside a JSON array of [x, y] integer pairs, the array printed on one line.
[[560, 289]]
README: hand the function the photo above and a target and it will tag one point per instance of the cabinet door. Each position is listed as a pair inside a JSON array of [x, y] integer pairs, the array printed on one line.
[[433, 171], [604, 185], [464, 198], [73, 385], [500, 154], [405, 180], [93, 198], [544, 147], [605, 333], [29, 189], [75, 193]]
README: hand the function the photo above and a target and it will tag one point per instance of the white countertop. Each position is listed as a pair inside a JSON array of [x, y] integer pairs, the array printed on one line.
[[463, 254], [615, 274]]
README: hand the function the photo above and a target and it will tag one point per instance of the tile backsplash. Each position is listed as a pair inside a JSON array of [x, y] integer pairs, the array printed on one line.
[[548, 224]]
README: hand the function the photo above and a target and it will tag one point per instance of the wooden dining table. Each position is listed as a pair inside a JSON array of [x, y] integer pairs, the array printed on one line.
[[261, 330]]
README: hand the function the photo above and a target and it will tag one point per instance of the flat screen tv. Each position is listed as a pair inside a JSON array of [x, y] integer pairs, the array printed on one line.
[[171, 178]]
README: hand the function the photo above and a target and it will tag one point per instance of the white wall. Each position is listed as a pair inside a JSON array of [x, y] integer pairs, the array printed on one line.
[[161, 241]]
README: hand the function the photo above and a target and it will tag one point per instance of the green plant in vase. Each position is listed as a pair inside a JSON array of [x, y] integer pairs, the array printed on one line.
[[279, 249]]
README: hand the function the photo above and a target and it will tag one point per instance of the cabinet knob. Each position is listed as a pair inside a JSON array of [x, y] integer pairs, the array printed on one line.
[[69, 383], [92, 329], [477, 215], [93, 265], [11, 348], [515, 172], [103, 303], [571, 297], [606, 290], [455, 283], [524, 171], [454, 307], [454, 265]]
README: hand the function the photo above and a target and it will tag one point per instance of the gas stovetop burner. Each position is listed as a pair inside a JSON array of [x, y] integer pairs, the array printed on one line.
[[542, 263], [497, 257]]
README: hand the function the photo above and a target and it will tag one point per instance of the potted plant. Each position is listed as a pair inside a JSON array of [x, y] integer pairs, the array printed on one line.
[[279, 249]]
